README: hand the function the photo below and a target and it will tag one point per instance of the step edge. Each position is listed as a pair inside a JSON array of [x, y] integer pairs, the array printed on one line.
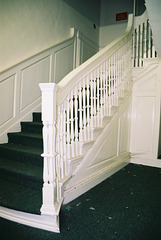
[[49, 223]]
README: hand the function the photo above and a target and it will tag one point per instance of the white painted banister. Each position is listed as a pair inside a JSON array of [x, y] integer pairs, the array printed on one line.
[[77, 105], [143, 44], [50, 203]]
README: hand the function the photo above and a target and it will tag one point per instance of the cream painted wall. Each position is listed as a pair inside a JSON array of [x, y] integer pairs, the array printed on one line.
[[28, 27], [109, 27], [110, 32]]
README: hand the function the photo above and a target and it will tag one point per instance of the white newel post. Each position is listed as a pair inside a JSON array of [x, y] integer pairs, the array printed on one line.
[[50, 205]]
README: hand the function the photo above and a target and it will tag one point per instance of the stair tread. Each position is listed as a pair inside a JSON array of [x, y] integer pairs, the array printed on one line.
[[21, 168], [20, 198]]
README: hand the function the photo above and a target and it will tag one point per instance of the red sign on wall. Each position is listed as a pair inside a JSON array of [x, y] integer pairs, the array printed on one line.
[[121, 16]]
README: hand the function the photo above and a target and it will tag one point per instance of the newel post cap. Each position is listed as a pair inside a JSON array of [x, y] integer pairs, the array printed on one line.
[[49, 91]]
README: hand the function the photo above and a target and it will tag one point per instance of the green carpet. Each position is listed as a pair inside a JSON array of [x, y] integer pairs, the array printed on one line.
[[126, 206], [21, 168]]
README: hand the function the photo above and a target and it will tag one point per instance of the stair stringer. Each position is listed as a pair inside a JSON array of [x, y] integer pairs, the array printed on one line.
[[109, 153]]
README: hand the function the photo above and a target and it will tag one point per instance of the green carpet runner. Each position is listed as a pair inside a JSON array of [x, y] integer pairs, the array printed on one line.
[[21, 168]]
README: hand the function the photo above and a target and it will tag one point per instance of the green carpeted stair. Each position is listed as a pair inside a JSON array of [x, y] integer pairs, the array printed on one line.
[[21, 168]]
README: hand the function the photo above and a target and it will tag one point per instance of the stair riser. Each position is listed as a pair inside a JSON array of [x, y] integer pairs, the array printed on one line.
[[31, 128], [22, 157], [37, 117], [25, 140]]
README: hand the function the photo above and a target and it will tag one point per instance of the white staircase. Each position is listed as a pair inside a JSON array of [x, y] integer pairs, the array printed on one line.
[[87, 121]]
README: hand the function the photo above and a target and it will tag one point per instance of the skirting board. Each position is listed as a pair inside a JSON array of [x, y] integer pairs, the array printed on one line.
[[90, 182], [49, 223], [146, 161]]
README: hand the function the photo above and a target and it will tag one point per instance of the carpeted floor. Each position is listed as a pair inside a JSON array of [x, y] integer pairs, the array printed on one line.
[[127, 206]]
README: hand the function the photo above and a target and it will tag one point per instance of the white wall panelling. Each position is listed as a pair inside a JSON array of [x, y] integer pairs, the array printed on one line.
[[146, 115], [88, 48], [19, 91], [64, 62], [124, 134], [7, 106], [31, 76]]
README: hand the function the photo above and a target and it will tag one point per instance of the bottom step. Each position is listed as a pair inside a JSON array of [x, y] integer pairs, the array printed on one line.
[[20, 198]]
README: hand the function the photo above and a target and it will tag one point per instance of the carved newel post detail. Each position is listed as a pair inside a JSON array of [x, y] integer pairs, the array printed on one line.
[[50, 205]]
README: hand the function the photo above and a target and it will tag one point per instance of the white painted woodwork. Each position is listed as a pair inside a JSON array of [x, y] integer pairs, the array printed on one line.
[[45, 222], [154, 9], [31, 76], [146, 114], [7, 110], [71, 129], [63, 62], [109, 153], [50, 204], [143, 42]]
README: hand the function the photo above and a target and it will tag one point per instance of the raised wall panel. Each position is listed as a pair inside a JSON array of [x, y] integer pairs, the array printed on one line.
[[30, 78], [146, 114], [148, 83], [124, 133], [63, 62], [7, 99], [87, 51], [143, 125]]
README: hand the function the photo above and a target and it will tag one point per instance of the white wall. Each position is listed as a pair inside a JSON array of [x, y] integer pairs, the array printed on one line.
[[110, 32], [109, 27], [28, 27], [110, 8]]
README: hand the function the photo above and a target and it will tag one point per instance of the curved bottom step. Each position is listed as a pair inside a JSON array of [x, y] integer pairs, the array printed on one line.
[[49, 223]]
